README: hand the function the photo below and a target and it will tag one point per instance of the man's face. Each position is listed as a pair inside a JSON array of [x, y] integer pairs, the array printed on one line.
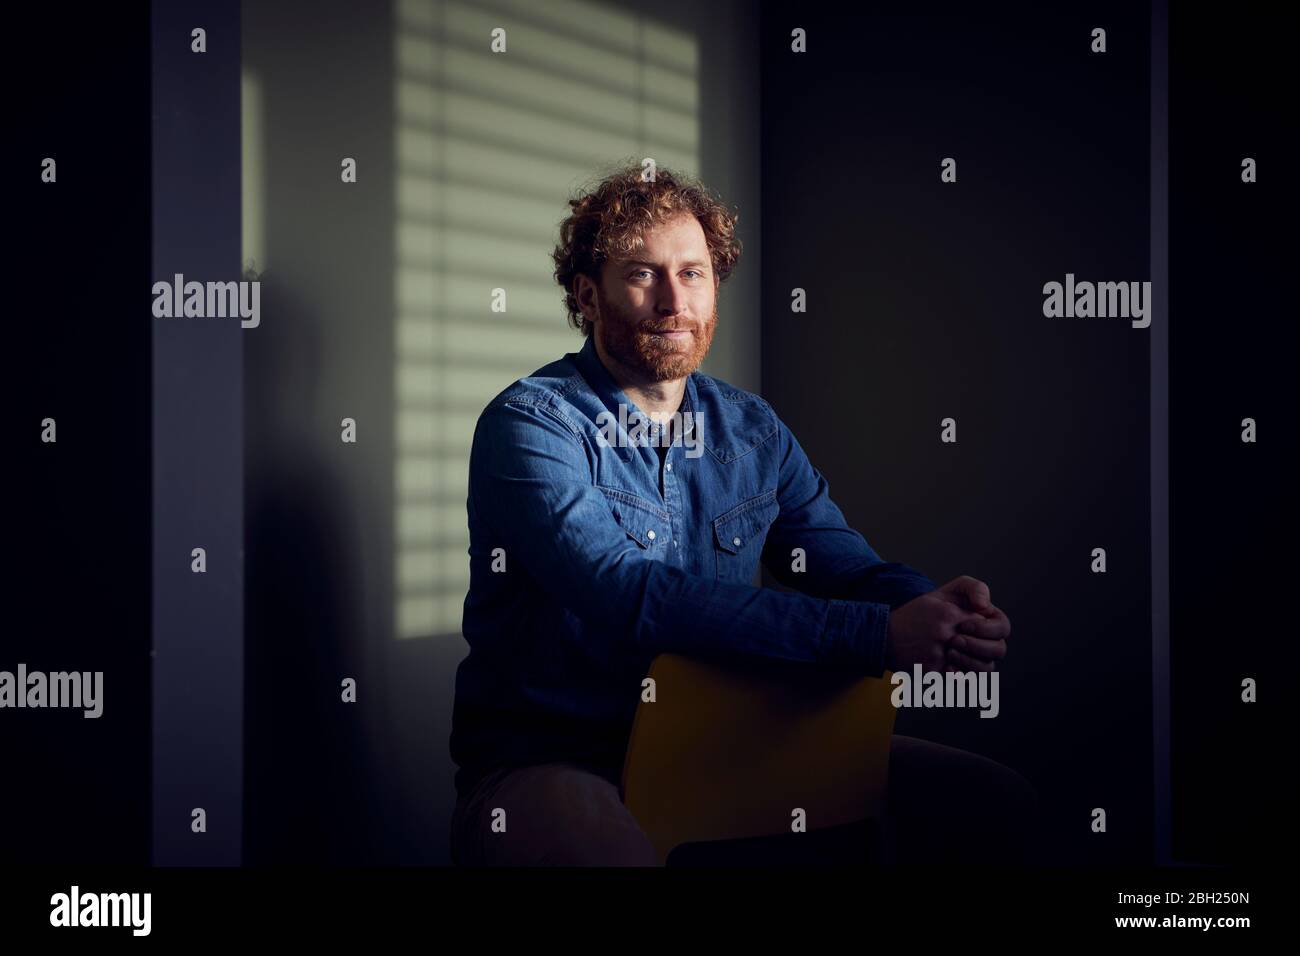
[[655, 312]]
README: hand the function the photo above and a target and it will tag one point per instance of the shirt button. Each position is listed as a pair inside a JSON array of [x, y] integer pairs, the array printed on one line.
[[736, 542], [650, 535], [668, 467], [674, 544]]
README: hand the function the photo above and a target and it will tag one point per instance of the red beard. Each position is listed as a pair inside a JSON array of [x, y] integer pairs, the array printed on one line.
[[632, 342]]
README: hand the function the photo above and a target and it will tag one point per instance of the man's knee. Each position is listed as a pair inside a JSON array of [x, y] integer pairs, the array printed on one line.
[[921, 765], [557, 815], [610, 842], [995, 809], [587, 824]]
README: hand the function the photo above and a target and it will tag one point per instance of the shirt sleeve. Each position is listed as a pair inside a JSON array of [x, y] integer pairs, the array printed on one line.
[[530, 480], [837, 561]]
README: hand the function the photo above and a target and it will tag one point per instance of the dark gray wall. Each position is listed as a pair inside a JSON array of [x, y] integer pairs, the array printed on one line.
[[925, 301], [198, 640]]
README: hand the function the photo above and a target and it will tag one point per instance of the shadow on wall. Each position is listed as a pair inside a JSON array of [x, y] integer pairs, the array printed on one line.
[[306, 764]]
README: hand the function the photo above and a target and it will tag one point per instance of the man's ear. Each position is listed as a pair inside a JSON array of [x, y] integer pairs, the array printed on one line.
[[585, 293]]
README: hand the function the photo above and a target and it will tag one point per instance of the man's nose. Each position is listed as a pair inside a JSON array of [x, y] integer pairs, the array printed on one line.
[[672, 298]]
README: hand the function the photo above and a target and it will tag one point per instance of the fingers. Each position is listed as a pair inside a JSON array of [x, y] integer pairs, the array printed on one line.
[[974, 593], [995, 627], [964, 662], [977, 647]]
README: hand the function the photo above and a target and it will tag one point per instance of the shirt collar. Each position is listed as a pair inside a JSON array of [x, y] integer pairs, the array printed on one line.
[[608, 391]]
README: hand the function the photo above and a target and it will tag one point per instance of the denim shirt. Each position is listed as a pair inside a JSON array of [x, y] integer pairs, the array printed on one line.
[[592, 551]]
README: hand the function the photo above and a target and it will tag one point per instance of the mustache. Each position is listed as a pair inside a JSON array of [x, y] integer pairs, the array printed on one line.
[[649, 326]]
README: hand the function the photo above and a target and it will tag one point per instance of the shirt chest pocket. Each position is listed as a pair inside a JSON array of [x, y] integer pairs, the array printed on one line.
[[738, 536], [644, 524]]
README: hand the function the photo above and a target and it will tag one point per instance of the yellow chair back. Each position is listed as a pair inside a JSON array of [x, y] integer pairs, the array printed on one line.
[[728, 752]]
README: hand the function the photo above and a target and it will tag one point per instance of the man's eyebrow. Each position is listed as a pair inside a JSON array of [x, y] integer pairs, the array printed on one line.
[[643, 262]]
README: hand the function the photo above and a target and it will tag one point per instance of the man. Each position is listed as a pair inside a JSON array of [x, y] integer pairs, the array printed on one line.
[[595, 546]]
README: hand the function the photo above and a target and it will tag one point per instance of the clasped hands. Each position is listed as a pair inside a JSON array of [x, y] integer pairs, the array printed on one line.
[[953, 628]]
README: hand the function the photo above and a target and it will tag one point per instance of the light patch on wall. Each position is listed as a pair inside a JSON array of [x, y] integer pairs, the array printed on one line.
[[252, 170], [488, 148]]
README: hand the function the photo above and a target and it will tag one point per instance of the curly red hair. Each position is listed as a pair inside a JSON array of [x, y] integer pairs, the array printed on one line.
[[610, 219]]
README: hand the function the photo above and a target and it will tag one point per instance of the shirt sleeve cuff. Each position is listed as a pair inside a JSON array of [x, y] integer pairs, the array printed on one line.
[[856, 634]]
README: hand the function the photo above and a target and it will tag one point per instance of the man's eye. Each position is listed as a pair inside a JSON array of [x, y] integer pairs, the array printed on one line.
[[640, 272]]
